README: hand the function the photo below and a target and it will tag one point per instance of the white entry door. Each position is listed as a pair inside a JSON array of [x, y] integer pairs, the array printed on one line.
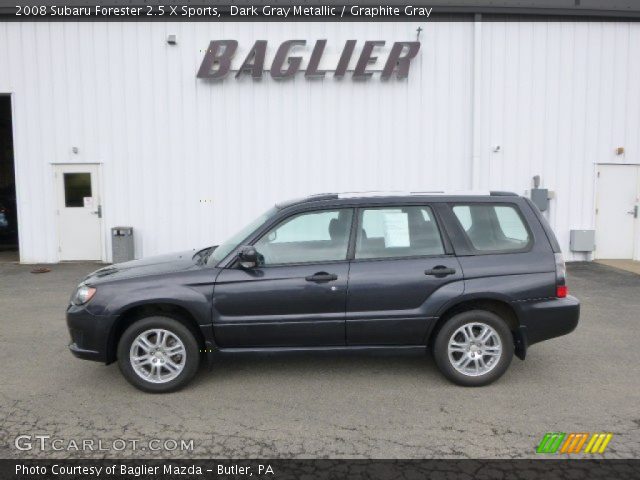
[[618, 187], [79, 212]]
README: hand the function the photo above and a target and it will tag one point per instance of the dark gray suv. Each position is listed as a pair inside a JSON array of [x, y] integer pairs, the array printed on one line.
[[473, 279]]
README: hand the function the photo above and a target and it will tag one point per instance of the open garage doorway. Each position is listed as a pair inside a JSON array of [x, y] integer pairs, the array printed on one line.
[[8, 206]]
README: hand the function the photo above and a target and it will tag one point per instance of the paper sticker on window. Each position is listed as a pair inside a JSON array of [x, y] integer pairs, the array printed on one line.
[[396, 230], [88, 202]]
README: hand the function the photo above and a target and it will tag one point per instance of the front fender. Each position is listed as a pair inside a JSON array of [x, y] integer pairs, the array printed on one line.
[[196, 303]]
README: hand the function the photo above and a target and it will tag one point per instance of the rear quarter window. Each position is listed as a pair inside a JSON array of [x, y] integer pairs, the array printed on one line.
[[493, 227]]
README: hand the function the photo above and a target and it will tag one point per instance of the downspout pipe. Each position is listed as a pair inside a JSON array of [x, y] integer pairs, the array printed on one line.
[[475, 99]]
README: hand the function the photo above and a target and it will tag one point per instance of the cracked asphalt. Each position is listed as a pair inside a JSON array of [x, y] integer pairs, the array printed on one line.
[[320, 406]]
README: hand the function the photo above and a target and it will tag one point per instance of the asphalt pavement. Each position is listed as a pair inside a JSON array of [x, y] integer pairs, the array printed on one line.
[[316, 406]]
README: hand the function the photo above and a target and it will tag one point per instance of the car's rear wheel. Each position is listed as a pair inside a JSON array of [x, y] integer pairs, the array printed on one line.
[[473, 348], [158, 354]]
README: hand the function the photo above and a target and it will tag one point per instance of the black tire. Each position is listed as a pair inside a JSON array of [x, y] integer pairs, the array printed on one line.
[[441, 344], [191, 357]]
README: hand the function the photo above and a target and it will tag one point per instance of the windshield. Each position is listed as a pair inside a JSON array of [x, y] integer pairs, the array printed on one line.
[[231, 243]]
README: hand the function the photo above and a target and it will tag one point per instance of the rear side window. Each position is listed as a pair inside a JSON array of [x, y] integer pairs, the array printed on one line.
[[398, 232], [493, 228]]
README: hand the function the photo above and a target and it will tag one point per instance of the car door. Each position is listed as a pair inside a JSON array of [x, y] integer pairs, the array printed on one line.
[[400, 272], [296, 296]]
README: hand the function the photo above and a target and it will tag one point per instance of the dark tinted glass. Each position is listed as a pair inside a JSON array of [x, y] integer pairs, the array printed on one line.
[[76, 187]]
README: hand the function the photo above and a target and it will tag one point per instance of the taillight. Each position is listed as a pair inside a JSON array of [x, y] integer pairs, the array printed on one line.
[[561, 277]]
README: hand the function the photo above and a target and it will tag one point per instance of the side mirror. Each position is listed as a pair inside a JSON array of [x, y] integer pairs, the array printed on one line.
[[248, 257]]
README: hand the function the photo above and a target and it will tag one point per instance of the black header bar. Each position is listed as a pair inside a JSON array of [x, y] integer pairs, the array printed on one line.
[[309, 10], [208, 469]]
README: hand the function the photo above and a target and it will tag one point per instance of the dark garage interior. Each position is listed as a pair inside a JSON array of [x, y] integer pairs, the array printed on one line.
[[8, 213]]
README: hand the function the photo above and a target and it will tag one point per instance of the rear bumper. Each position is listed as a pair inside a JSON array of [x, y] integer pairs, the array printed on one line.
[[89, 334], [548, 318]]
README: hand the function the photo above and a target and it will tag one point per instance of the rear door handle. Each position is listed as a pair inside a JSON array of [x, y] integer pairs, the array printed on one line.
[[440, 271], [321, 277]]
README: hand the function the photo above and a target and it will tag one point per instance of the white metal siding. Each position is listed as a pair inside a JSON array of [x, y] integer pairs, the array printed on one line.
[[559, 98], [186, 162]]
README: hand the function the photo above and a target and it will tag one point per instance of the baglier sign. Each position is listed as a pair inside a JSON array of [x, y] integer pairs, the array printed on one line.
[[216, 63]]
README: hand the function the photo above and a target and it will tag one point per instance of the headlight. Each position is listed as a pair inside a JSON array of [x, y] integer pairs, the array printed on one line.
[[83, 294]]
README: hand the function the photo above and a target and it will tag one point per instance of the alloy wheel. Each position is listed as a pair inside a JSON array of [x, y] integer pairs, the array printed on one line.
[[157, 355], [474, 349]]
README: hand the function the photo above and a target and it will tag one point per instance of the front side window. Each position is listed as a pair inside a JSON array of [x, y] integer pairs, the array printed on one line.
[[398, 232], [493, 227], [318, 236]]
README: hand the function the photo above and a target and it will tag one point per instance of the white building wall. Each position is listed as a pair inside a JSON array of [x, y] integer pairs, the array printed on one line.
[[186, 162], [559, 98]]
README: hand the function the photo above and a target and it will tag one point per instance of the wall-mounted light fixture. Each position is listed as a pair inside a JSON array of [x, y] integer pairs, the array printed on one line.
[[620, 151], [74, 150], [172, 39]]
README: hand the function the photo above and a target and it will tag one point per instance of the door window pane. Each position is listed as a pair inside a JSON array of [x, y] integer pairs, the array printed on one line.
[[77, 186], [308, 237], [398, 232], [493, 227]]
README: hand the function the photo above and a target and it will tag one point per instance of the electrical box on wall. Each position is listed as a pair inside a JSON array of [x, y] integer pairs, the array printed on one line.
[[540, 198], [582, 240]]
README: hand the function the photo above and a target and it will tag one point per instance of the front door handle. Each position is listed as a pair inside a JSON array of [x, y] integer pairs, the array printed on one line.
[[440, 271], [321, 277]]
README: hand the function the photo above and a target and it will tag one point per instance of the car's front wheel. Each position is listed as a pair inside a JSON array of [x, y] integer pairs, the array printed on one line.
[[158, 354], [473, 348]]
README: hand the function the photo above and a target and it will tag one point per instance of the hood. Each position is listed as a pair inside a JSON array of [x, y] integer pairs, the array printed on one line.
[[158, 265]]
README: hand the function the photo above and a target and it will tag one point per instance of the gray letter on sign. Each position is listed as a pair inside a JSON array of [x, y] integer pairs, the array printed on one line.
[[257, 54], [213, 56], [281, 54], [343, 64], [402, 63], [366, 58], [314, 61]]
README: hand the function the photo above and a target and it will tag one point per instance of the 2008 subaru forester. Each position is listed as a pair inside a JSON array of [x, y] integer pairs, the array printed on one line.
[[474, 279]]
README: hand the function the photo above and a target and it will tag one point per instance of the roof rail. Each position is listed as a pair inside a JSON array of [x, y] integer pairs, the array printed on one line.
[[310, 198], [334, 196], [374, 193], [498, 193], [320, 196]]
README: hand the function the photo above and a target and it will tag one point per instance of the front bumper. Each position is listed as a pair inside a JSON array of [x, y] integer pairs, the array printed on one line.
[[89, 334], [548, 318]]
